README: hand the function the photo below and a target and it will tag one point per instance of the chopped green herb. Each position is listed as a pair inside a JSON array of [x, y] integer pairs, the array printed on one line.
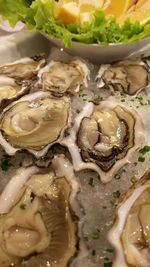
[[148, 102], [77, 111], [84, 95], [113, 202], [133, 179], [6, 163], [141, 159], [96, 235], [104, 207], [110, 250], [108, 264], [140, 98], [117, 176], [93, 252], [23, 206], [144, 150], [98, 97], [123, 100], [106, 259], [91, 182], [116, 194], [135, 163]]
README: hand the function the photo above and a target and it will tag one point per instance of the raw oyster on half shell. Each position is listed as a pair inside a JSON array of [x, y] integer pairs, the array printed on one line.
[[129, 77], [16, 78], [11, 89], [39, 217], [34, 123], [24, 68], [130, 234], [61, 78], [104, 137]]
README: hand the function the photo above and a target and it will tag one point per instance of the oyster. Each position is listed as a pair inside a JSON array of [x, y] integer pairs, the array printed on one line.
[[130, 234], [104, 138], [25, 68], [10, 89], [60, 78], [38, 221], [34, 123], [129, 77], [16, 78]]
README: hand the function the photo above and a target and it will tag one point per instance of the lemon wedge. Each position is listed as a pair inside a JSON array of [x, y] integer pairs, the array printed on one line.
[[140, 3], [117, 8], [89, 6], [143, 17], [68, 12], [85, 17], [143, 5]]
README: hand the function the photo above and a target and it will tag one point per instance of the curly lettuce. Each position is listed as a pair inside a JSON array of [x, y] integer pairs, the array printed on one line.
[[38, 15]]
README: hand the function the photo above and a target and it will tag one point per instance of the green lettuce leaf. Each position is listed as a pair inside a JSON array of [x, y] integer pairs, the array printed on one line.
[[38, 15], [14, 10]]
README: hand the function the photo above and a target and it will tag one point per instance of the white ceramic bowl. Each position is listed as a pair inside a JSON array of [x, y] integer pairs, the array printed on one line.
[[106, 53]]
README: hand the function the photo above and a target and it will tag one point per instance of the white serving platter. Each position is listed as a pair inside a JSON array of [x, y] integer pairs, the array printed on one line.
[[96, 200]]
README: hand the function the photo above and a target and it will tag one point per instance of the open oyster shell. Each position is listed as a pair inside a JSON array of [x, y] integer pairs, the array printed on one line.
[[34, 123], [131, 230], [104, 137], [61, 78], [39, 217], [24, 68], [129, 77], [11, 90], [16, 78]]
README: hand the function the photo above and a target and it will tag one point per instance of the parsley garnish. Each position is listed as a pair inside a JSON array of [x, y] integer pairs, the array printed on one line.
[[141, 159], [144, 150], [77, 111], [110, 250], [96, 235], [93, 252], [6, 163], [108, 264], [91, 182], [116, 194], [23, 206]]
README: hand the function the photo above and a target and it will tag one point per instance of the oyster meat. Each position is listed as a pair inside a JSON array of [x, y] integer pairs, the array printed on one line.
[[34, 123], [60, 78], [129, 77], [130, 234], [104, 138], [38, 217]]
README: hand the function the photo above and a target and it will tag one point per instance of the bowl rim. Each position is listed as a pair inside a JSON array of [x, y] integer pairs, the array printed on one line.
[[55, 39]]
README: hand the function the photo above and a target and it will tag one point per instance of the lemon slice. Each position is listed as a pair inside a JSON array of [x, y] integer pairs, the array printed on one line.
[[140, 3], [89, 6], [142, 17], [68, 12], [143, 5], [85, 17], [119, 8]]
